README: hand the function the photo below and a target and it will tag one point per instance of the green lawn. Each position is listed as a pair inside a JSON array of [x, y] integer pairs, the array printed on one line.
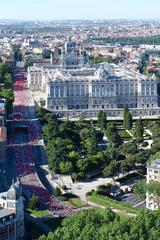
[[38, 213], [124, 134], [132, 131], [75, 203], [111, 203]]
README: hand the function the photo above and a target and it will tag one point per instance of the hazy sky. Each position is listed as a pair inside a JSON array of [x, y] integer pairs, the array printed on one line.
[[78, 9]]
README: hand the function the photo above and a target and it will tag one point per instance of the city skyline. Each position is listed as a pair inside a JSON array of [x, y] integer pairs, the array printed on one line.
[[91, 9]]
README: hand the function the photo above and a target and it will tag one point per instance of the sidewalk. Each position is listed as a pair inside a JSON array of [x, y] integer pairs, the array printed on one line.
[[124, 213]]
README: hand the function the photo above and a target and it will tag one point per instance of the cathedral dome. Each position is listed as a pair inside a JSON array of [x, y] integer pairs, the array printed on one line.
[[69, 46], [14, 192], [101, 73]]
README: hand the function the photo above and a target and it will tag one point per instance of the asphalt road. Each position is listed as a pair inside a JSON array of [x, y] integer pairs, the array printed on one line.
[[133, 200], [22, 141], [7, 171]]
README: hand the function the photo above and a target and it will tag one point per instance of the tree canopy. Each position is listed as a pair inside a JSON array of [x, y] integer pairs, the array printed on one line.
[[153, 188], [18, 55], [34, 202], [112, 134], [106, 225], [71, 148], [139, 130], [6, 81], [127, 119], [102, 120]]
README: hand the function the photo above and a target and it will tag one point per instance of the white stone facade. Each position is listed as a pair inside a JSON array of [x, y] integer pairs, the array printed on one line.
[[109, 88], [74, 88], [153, 174], [12, 213]]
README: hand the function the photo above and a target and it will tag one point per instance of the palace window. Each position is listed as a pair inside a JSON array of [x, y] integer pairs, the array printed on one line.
[[72, 90], [57, 91], [61, 91], [143, 89], [152, 89], [147, 89]]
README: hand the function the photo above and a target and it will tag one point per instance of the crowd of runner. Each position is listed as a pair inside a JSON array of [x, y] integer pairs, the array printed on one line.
[[23, 155]]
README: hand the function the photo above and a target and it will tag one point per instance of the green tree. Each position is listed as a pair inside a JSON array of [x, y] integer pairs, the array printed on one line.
[[46, 54], [124, 167], [34, 202], [57, 192], [153, 188], [41, 113], [127, 119], [129, 148], [68, 131], [139, 130], [4, 69], [101, 59], [56, 152], [111, 169], [74, 176], [28, 63], [82, 165], [102, 120], [90, 145], [111, 152], [8, 95], [50, 129], [106, 225], [8, 81], [112, 134], [139, 189], [84, 133], [104, 189], [73, 156], [18, 55], [66, 167], [144, 62]]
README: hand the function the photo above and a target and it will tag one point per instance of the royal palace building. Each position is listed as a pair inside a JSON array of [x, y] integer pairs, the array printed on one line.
[[75, 88]]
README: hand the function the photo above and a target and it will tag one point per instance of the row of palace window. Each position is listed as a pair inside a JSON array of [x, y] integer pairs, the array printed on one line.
[[82, 107]]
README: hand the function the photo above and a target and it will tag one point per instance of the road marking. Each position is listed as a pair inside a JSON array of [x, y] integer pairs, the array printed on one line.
[[139, 203]]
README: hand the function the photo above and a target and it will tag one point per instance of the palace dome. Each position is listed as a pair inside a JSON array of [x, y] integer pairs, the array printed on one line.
[[14, 192], [69, 46], [101, 73]]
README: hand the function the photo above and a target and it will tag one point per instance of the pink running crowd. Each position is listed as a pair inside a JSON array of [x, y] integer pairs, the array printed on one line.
[[25, 168]]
